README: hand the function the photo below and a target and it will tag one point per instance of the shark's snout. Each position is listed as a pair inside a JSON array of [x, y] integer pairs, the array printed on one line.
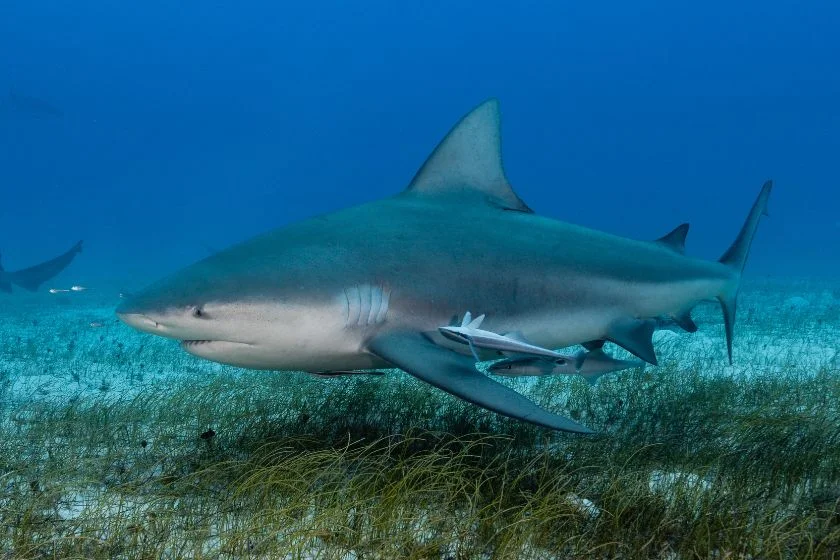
[[136, 314], [138, 321]]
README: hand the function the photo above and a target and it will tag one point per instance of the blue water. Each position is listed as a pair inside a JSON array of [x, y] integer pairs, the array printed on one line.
[[188, 126]]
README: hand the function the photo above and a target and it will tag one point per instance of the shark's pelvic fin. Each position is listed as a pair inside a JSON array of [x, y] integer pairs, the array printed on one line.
[[31, 278], [469, 158], [736, 257], [593, 344], [685, 322], [635, 336], [675, 239], [456, 374]]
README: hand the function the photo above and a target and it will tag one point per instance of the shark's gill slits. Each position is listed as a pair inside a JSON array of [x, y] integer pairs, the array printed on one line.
[[354, 306], [365, 305]]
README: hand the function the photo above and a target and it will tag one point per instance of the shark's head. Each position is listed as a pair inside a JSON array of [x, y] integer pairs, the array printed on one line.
[[187, 309], [220, 312]]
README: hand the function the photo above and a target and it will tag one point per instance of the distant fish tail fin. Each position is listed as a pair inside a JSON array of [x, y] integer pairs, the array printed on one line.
[[736, 257], [5, 284], [31, 278]]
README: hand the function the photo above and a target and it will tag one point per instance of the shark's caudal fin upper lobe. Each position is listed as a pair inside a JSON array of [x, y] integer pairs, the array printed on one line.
[[31, 278], [736, 257]]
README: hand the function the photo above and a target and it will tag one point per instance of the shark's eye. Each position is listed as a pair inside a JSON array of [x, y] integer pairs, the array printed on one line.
[[197, 312], [560, 362]]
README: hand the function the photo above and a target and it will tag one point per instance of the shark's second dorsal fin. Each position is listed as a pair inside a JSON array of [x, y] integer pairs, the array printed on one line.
[[675, 239], [469, 158]]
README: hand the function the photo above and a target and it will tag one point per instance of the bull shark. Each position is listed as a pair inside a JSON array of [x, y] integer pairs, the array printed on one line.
[[369, 286], [31, 278]]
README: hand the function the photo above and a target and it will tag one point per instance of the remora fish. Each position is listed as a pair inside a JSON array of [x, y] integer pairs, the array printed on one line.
[[470, 333], [368, 287], [31, 278], [589, 365]]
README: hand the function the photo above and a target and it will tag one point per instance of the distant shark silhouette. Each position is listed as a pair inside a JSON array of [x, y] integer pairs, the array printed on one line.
[[372, 286], [32, 106], [31, 278]]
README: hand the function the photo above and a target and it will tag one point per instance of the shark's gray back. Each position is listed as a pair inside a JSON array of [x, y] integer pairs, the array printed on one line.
[[446, 246]]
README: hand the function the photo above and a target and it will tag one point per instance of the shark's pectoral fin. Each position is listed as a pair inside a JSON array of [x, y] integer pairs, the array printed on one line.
[[456, 374], [635, 336]]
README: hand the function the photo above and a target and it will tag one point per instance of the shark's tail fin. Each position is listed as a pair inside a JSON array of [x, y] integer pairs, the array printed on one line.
[[736, 257]]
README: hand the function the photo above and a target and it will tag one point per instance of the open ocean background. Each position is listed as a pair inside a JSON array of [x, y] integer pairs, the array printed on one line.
[[161, 131], [189, 126]]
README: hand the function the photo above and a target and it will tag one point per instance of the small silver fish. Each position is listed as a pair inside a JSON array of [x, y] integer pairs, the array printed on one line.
[[58, 290], [78, 288]]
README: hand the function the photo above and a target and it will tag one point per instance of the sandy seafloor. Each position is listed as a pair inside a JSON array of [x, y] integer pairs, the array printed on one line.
[[57, 348]]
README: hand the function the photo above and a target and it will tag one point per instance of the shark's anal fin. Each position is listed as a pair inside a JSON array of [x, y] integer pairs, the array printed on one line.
[[635, 336], [456, 374]]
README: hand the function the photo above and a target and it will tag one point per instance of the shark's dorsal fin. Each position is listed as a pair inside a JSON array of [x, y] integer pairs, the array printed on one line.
[[469, 158], [675, 239]]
